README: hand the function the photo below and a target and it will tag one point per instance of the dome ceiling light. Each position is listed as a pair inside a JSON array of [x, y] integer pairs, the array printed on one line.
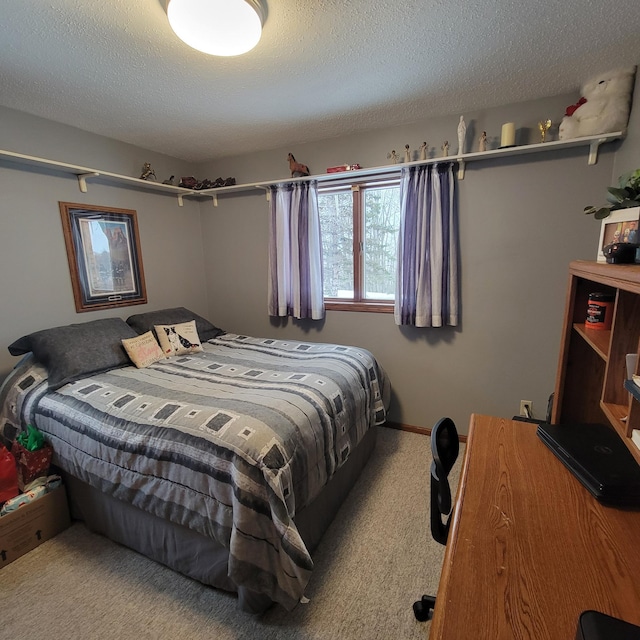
[[218, 27]]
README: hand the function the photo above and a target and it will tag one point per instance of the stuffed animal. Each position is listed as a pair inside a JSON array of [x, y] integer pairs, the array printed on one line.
[[603, 108]]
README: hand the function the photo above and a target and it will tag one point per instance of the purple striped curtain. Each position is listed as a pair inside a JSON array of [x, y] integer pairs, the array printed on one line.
[[295, 252], [427, 277]]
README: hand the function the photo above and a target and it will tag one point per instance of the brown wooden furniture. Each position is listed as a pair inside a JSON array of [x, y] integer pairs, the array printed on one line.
[[592, 367], [529, 548]]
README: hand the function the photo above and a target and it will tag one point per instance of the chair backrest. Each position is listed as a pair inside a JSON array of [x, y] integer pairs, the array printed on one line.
[[445, 446]]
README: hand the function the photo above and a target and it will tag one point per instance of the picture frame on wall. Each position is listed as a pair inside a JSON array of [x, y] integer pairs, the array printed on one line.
[[620, 226], [105, 261]]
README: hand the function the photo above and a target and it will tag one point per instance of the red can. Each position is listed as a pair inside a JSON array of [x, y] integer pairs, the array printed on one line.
[[599, 311]]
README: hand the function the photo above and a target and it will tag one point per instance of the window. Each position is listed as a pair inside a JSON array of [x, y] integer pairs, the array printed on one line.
[[359, 244]]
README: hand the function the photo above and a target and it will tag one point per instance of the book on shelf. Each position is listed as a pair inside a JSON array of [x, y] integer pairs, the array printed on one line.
[[635, 437]]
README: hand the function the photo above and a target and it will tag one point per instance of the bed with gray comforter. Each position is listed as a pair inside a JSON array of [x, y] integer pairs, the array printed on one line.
[[230, 443]]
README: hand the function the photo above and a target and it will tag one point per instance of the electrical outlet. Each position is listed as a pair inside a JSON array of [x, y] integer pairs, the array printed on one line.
[[524, 405]]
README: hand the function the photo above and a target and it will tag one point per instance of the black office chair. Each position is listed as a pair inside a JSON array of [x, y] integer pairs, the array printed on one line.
[[445, 446]]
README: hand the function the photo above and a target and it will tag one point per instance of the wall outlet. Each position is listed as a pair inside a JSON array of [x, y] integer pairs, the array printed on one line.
[[524, 405]]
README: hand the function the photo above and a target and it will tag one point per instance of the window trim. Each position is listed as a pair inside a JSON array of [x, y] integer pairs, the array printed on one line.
[[371, 306], [359, 302]]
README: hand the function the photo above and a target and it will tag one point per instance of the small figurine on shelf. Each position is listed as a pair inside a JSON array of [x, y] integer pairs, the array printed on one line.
[[298, 170], [147, 172], [188, 182], [445, 148], [407, 153], [544, 126], [395, 158], [462, 132], [482, 143], [423, 151], [168, 180]]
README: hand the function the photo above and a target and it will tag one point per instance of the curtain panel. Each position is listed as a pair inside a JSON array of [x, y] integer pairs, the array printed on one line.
[[427, 276], [295, 251]]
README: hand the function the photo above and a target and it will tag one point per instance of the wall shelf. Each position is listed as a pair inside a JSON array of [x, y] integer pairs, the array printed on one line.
[[593, 142], [84, 174]]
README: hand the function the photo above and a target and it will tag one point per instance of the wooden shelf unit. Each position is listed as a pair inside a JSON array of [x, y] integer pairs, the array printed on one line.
[[590, 382]]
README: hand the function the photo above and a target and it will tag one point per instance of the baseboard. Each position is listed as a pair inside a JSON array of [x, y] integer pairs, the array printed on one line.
[[424, 431]]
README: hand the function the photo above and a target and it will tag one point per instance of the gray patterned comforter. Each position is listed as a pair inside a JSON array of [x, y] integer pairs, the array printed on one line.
[[230, 442]]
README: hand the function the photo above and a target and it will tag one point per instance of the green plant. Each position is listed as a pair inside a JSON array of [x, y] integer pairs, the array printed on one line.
[[624, 196]]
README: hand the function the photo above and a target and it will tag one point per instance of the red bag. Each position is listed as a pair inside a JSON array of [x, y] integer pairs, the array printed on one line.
[[31, 464], [8, 475]]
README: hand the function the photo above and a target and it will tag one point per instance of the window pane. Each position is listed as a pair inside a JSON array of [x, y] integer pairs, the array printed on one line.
[[336, 222], [381, 224]]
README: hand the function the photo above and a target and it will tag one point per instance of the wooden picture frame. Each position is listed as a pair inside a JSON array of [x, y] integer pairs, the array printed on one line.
[[105, 261], [620, 226]]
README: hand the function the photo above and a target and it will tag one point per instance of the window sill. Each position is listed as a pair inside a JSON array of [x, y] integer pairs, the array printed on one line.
[[369, 307]]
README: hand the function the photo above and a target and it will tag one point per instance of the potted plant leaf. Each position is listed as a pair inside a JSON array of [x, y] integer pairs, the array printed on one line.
[[625, 196]]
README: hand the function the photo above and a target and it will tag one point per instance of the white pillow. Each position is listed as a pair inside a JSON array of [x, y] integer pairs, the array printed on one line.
[[143, 350], [178, 339]]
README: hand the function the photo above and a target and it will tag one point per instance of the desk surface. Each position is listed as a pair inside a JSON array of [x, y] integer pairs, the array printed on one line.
[[529, 548]]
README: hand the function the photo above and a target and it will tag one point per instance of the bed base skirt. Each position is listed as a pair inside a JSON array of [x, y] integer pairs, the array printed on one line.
[[193, 554]]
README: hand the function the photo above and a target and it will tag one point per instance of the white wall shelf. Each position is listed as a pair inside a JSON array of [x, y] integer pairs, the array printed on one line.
[[84, 174], [593, 142]]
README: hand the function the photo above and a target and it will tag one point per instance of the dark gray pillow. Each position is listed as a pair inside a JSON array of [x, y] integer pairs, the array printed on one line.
[[143, 322], [77, 350]]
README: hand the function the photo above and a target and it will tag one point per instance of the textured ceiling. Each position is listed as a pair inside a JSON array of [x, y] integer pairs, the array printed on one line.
[[323, 68]]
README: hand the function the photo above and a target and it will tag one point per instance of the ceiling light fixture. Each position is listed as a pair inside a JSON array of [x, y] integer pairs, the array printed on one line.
[[218, 27]]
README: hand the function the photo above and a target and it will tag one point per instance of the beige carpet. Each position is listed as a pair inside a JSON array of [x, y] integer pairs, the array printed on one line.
[[374, 561]]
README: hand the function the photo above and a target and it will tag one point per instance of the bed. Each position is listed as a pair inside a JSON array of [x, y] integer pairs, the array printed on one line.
[[226, 463]]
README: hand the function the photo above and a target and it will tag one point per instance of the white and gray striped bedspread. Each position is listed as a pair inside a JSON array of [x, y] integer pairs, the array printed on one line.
[[230, 442]]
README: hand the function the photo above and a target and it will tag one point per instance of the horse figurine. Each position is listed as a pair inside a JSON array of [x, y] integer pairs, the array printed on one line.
[[298, 170]]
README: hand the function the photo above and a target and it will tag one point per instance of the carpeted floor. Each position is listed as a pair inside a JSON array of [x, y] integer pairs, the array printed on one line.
[[374, 561]]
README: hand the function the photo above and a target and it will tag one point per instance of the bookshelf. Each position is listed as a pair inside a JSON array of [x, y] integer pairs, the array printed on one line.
[[591, 377]]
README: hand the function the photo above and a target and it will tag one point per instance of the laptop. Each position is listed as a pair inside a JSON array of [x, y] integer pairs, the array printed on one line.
[[593, 625], [598, 458]]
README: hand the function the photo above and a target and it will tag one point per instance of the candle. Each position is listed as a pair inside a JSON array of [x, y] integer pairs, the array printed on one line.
[[508, 138]]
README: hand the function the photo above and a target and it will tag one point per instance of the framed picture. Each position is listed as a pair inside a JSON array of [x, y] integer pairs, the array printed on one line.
[[620, 226], [103, 249]]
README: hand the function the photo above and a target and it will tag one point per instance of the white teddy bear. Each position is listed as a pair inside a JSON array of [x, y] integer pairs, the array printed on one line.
[[603, 108]]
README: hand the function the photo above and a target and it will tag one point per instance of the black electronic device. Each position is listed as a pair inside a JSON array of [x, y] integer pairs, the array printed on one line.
[[598, 458], [593, 625], [620, 252]]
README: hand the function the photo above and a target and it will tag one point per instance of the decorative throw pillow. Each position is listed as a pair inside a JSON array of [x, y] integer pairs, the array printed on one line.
[[178, 339], [143, 350]]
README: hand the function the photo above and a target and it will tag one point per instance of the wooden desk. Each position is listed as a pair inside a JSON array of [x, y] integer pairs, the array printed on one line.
[[529, 548]]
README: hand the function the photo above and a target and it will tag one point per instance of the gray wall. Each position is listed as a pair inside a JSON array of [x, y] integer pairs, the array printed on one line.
[[628, 158], [521, 223], [35, 286]]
